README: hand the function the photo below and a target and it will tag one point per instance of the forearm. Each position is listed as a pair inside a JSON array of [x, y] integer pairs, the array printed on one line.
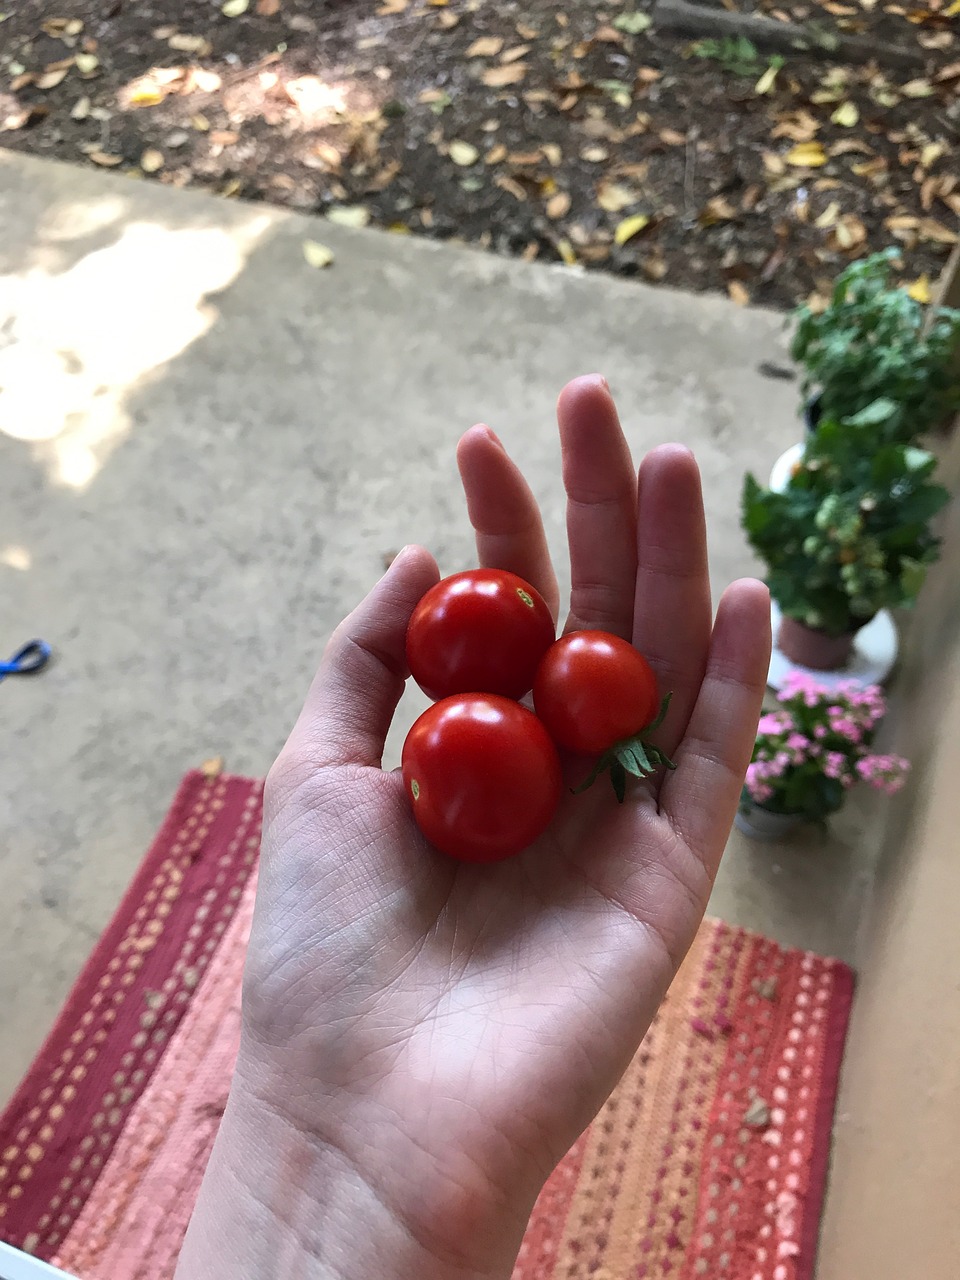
[[278, 1205]]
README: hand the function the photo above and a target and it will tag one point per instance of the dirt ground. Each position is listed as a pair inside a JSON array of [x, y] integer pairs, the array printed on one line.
[[581, 132]]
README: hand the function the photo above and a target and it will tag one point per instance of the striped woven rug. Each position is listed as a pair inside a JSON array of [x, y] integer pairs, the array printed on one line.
[[709, 1159]]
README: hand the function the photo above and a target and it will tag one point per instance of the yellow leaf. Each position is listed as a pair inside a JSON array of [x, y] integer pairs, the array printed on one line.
[[846, 115], [917, 89], [613, 197], [630, 227], [931, 153], [548, 187], [151, 160], [146, 96], [565, 250], [829, 215], [806, 155], [953, 11], [485, 47], [766, 81], [200, 123], [349, 215], [316, 254], [499, 77], [391, 7], [399, 229], [738, 293], [558, 205], [919, 291], [234, 8], [463, 153], [87, 63]]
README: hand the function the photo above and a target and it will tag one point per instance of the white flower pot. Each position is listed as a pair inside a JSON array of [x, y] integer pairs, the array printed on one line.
[[764, 824]]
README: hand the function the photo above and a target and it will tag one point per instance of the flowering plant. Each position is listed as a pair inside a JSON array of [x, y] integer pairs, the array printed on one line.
[[815, 746]]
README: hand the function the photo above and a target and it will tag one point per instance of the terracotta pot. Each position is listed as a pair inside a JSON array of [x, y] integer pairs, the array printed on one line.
[[763, 824], [809, 647]]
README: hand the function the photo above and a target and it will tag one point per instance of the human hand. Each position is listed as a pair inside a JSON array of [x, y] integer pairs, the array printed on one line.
[[424, 1039]]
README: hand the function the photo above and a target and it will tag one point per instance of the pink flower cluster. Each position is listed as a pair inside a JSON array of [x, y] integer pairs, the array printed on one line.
[[819, 732], [886, 773]]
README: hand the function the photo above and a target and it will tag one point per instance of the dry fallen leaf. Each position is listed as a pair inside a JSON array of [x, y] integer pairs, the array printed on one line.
[[807, 155], [917, 89], [738, 293], [766, 81], [391, 7], [234, 8], [463, 153], [102, 158], [849, 233], [151, 160], [613, 197], [930, 229], [184, 43], [552, 153], [594, 155], [565, 250], [80, 109], [829, 216], [717, 209], [499, 77], [51, 79], [267, 8], [87, 63], [757, 1114], [485, 47], [515, 54], [317, 254], [558, 205], [846, 115], [774, 164], [495, 154], [672, 137], [349, 215], [630, 227]]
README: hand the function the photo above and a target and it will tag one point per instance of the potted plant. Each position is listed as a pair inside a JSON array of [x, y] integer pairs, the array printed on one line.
[[848, 535], [871, 358], [809, 752]]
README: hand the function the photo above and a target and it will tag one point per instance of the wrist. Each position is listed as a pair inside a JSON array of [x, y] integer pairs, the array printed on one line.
[[333, 1202]]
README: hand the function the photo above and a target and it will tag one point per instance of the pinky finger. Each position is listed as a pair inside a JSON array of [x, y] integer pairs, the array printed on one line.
[[700, 797]]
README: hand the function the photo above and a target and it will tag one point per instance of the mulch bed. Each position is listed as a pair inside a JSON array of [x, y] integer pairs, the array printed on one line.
[[580, 133]]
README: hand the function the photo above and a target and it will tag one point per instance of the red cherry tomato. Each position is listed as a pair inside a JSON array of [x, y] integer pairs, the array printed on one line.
[[483, 776], [593, 689], [482, 631]]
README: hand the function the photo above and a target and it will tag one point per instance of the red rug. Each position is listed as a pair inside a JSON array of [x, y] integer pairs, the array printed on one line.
[[709, 1159]]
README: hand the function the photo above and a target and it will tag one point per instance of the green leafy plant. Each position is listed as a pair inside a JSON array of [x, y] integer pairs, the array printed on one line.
[[850, 534], [735, 54], [870, 359]]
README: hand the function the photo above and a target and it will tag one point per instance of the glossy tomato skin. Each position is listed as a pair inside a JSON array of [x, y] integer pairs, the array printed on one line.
[[593, 689], [482, 775], [482, 631]]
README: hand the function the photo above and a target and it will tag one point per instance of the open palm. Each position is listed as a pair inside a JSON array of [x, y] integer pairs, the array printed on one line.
[[450, 1029]]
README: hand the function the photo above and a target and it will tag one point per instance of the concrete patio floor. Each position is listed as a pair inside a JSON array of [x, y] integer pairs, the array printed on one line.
[[206, 449]]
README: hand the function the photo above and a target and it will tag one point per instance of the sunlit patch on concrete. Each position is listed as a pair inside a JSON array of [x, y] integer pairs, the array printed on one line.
[[15, 558], [75, 344]]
